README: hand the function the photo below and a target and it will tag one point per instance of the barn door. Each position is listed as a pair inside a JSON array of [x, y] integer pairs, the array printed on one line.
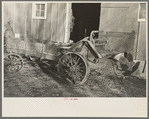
[[87, 16], [120, 18]]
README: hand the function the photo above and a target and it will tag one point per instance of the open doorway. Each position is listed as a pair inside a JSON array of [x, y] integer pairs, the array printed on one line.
[[87, 19]]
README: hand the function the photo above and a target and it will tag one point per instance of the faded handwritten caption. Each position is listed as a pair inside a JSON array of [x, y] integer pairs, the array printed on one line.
[[70, 98]]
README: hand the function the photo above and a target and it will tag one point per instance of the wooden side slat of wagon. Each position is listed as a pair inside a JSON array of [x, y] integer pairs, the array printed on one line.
[[20, 46]]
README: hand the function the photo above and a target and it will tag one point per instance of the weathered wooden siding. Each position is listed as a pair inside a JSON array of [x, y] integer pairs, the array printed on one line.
[[119, 17], [122, 18], [50, 29], [120, 41], [48, 24], [28, 19], [141, 48]]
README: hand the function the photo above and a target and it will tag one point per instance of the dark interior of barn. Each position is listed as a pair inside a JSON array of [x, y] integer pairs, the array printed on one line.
[[87, 19]]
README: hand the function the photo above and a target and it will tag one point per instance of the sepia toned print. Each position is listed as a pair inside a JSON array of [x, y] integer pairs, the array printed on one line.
[[74, 49], [74, 59]]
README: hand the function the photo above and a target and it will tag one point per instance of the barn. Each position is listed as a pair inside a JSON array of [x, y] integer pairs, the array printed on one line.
[[46, 78], [128, 21], [125, 26], [41, 29], [47, 23], [54, 24]]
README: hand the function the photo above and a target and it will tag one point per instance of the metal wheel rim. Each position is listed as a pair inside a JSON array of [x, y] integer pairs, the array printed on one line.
[[13, 63], [74, 68]]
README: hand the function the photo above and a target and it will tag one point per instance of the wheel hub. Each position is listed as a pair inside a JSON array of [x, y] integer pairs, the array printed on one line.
[[72, 66]]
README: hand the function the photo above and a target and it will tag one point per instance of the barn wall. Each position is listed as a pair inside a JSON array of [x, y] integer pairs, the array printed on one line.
[[121, 18], [50, 29], [141, 48]]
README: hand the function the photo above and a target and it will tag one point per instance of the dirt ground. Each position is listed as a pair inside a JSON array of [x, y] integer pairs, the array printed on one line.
[[38, 80]]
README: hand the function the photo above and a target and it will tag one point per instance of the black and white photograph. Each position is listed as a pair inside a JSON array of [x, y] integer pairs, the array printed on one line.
[[74, 50]]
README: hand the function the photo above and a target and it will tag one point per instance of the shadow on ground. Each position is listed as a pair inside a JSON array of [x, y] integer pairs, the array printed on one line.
[[37, 79]]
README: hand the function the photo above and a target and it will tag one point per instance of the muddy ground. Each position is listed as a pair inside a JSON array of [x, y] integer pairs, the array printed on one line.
[[38, 80]]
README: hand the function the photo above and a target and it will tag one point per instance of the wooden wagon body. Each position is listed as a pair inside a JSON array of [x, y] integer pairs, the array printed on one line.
[[74, 62], [32, 48]]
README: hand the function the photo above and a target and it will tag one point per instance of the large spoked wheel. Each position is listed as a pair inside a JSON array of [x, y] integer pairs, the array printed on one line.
[[12, 63], [74, 68]]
